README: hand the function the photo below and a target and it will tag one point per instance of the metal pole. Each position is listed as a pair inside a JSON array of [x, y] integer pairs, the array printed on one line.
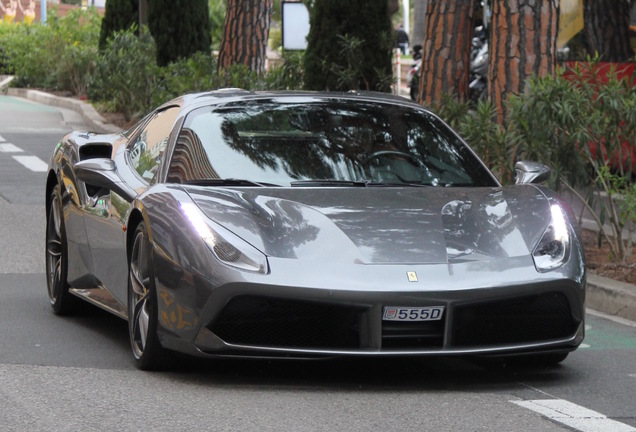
[[407, 18], [43, 11]]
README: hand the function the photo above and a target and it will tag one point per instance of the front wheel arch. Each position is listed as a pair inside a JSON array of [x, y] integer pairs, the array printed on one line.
[[134, 220]]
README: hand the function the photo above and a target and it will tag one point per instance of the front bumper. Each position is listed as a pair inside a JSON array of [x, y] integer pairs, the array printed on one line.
[[245, 317]]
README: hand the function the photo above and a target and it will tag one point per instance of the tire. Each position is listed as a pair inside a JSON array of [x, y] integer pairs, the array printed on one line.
[[62, 301], [142, 307]]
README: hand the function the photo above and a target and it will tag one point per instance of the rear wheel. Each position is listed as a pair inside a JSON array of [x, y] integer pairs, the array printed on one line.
[[142, 306], [62, 302]]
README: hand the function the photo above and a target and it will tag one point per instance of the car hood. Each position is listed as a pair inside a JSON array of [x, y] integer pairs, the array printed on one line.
[[377, 225]]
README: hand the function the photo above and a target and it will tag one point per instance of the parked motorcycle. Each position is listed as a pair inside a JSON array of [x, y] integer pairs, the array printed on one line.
[[413, 75], [478, 75]]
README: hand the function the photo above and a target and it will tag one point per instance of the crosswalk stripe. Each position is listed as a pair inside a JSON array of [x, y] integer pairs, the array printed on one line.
[[574, 416], [2, 139], [9, 148], [33, 163]]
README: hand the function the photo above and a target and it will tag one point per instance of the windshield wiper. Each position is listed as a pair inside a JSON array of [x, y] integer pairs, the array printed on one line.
[[228, 182], [326, 182], [356, 183]]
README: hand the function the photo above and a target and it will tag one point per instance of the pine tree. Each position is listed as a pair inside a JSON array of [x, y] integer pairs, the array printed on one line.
[[245, 34], [522, 44], [607, 29], [180, 28], [119, 15], [349, 46], [445, 60]]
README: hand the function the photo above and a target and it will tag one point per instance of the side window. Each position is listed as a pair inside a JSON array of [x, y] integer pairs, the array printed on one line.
[[146, 151]]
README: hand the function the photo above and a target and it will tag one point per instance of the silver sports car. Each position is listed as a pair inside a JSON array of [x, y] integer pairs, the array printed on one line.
[[309, 225]]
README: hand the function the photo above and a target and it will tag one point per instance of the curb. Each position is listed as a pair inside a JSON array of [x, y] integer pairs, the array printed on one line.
[[604, 295], [88, 113], [611, 297]]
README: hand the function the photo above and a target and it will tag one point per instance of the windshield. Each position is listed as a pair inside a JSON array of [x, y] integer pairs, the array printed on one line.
[[298, 142]]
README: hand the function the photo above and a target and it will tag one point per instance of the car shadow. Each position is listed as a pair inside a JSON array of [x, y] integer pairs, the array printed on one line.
[[446, 373]]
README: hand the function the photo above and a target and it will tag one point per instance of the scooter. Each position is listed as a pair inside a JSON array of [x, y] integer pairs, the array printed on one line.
[[478, 78]]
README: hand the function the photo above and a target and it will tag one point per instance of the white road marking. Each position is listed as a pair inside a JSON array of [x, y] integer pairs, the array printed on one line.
[[33, 163], [9, 148], [2, 139], [574, 416]]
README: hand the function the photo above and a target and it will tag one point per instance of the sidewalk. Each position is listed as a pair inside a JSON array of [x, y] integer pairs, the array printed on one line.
[[603, 295]]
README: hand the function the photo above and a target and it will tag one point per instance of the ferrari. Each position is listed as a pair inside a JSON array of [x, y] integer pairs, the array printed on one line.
[[310, 225]]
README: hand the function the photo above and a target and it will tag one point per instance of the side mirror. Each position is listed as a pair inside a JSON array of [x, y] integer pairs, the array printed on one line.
[[531, 172], [102, 172]]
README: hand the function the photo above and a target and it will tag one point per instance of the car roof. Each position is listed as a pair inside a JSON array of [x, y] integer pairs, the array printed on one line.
[[195, 100]]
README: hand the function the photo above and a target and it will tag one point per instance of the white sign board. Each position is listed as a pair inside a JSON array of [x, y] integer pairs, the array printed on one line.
[[295, 26]]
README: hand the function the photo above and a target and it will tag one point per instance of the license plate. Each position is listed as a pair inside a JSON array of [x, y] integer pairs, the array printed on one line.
[[428, 313]]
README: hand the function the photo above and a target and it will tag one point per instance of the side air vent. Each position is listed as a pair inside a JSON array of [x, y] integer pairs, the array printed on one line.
[[94, 151]]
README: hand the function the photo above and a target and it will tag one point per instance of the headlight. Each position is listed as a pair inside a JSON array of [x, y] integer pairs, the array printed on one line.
[[226, 246], [553, 248]]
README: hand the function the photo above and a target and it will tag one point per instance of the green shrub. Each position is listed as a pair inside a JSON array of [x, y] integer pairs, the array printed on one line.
[[497, 145], [32, 54], [80, 29], [44, 55], [194, 74], [75, 68], [126, 74], [287, 76]]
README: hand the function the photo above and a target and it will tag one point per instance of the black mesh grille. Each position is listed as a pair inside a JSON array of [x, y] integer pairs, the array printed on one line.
[[519, 320], [404, 335], [272, 322]]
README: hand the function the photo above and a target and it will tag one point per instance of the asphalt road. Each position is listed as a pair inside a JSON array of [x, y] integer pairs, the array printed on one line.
[[76, 373]]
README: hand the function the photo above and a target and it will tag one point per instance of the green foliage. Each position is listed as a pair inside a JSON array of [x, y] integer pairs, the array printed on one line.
[[180, 28], [497, 145], [275, 38], [28, 50], [217, 21], [550, 121], [119, 15], [57, 55], [126, 73], [353, 38], [194, 74], [561, 120]]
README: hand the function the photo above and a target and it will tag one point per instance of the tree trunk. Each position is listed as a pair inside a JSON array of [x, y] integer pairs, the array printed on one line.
[[419, 22], [143, 13], [522, 44], [446, 54], [606, 27], [245, 34]]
